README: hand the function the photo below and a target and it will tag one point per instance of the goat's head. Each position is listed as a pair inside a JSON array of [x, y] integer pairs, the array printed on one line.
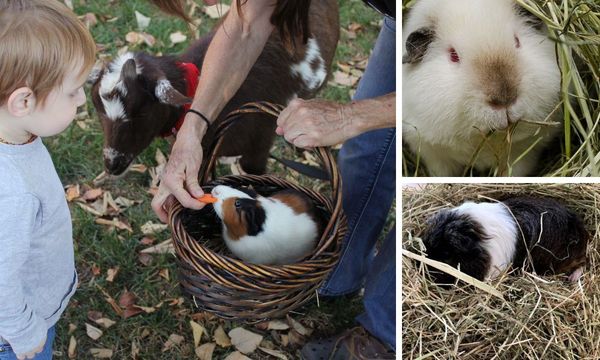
[[135, 102]]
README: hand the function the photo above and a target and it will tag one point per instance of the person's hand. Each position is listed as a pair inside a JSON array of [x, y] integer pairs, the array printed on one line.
[[310, 123], [31, 354], [180, 175]]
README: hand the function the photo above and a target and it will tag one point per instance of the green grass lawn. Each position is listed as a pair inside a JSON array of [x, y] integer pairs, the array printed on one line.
[[77, 154]]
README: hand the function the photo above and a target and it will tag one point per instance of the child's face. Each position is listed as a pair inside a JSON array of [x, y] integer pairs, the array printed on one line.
[[60, 107]]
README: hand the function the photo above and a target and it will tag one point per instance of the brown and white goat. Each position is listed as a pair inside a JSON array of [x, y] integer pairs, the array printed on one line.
[[139, 96]]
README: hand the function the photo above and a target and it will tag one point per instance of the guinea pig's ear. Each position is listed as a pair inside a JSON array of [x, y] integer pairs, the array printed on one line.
[[129, 71], [249, 191], [96, 73], [532, 20], [253, 213], [416, 45]]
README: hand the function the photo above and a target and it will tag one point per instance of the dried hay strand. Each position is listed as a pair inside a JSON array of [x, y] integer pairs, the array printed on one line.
[[574, 25], [536, 317]]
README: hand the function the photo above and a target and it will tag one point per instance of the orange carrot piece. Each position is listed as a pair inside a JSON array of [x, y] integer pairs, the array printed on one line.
[[207, 198]]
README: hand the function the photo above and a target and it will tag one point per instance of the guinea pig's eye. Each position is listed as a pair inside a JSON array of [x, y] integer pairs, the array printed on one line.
[[237, 204], [454, 55], [517, 42]]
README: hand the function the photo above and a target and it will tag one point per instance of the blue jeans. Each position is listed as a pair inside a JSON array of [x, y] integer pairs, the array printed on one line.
[[368, 167], [6, 352]]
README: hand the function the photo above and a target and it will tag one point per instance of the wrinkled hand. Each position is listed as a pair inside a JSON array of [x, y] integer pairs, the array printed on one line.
[[180, 175], [31, 354], [311, 123]]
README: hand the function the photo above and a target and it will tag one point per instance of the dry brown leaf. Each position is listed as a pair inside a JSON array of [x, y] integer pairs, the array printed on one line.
[[298, 327], [146, 240], [139, 168], [277, 325], [93, 332], [221, 338], [101, 353], [138, 38], [73, 192], [127, 299], [285, 340], [177, 37], [124, 203], [111, 273], [72, 347], [96, 270], [237, 356], [173, 340], [105, 322], [164, 273], [142, 20], [245, 341], [114, 222], [343, 79], [146, 309], [215, 11], [145, 259], [101, 178], [177, 302], [160, 158], [165, 247], [89, 19], [69, 4], [150, 228], [205, 351], [277, 354], [72, 327], [295, 338], [197, 331], [90, 209], [94, 315], [135, 349], [132, 311], [109, 299]]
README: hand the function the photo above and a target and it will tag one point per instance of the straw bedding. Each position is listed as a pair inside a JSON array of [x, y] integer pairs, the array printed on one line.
[[539, 317]]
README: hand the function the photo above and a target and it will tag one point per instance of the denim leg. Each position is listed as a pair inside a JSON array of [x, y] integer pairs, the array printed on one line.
[[379, 317], [368, 167], [6, 352]]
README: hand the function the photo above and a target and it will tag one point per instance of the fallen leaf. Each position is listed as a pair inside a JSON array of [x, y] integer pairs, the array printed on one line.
[[69, 4], [150, 228], [221, 338], [109, 299], [145, 259], [164, 273], [114, 222], [147, 240], [205, 351], [177, 302], [165, 247], [139, 168], [146, 309], [127, 299], [215, 11], [138, 38], [96, 270], [72, 327], [145, 333], [124, 203], [173, 340], [160, 158], [277, 325], [111, 273], [93, 332], [197, 331], [295, 338], [245, 341], [285, 340], [142, 21], [89, 19], [177, 37], [101, 353], [94, 315], [277, 354], [343, 79], [298, 327], [90, 209], [73, 192], [105, 322], [72, 347], [132, 311], [236, 356], [135, 349]]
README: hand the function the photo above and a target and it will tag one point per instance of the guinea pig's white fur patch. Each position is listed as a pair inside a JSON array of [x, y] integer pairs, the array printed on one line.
[[286, 237], [501, 229]]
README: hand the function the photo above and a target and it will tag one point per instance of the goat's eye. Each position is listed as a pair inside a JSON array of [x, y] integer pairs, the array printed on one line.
[[453, 55], [517, 42], [237, 204]]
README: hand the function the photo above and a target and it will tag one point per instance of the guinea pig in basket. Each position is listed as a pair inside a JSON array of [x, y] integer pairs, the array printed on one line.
[[275, 230], [483, 239], [481, 87]]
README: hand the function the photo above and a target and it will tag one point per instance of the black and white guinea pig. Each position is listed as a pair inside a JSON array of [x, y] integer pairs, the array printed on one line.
[[471, 68], [280, 229], [483, 239]]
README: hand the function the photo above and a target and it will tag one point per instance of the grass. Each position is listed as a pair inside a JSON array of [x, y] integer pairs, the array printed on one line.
[[573, 25], [539, 317], [77, 154]]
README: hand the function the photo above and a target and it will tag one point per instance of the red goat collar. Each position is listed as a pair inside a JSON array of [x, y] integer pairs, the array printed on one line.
[[191, 74]]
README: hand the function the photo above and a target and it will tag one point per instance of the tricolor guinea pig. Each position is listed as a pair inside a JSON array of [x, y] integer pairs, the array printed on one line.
[[280, 229], [483, 239]]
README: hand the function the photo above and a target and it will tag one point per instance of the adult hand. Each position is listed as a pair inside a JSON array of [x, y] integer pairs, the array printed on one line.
[[180, 175], [31, 354], [310, 123]]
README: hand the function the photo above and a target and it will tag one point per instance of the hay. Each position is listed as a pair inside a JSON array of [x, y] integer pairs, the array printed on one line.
[[575, 27], [540, 317]]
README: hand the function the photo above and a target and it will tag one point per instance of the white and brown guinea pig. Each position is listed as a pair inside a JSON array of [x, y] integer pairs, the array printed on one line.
[[483, 239], [280, 229], [469, 69]]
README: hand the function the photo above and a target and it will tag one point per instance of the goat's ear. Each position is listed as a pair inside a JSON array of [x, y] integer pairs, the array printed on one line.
[[96, 73], [417, 44], [129, 71], [167, 94]]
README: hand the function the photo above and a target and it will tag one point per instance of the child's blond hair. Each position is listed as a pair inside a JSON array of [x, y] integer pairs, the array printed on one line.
[[40, 42]]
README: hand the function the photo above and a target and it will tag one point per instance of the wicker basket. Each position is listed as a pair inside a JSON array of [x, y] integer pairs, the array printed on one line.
[[232, 288]]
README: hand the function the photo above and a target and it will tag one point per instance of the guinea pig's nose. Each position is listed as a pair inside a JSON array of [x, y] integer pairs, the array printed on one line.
[[215, 192], [502, 101]]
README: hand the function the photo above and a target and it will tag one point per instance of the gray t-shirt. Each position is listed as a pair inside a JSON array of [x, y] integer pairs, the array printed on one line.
[[37, 268]]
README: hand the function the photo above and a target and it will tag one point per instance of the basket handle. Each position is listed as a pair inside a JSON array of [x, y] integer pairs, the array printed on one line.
[[322, 153]]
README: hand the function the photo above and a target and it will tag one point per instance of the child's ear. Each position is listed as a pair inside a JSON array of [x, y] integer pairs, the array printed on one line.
[[21, 102]]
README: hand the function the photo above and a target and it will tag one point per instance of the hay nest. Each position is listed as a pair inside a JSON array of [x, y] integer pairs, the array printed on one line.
[[538, 317], [575, 27]]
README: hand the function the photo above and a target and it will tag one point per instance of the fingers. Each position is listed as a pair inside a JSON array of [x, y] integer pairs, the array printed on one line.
[[191, 182], [158, 201]]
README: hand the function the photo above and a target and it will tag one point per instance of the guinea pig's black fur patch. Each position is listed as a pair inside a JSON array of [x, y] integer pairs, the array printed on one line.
[[253, 213], [455, 239], [555, 237]]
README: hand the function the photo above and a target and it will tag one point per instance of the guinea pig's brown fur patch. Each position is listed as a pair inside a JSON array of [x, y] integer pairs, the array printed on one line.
[[235, 222], [499, 77]]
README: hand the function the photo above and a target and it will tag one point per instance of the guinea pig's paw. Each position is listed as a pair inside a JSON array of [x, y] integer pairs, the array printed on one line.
[[576, 274]]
